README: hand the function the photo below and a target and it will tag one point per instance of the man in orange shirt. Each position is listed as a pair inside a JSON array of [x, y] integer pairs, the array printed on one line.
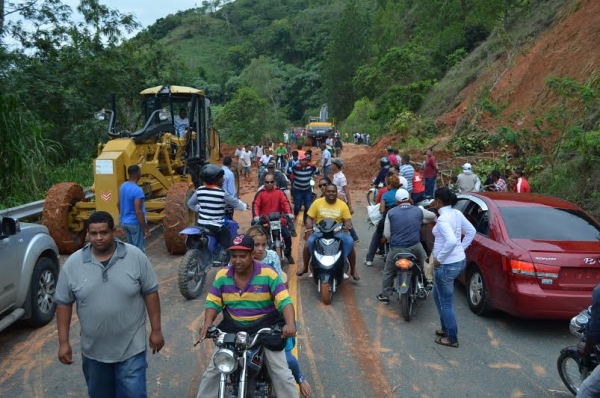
[[521, 185], [418, 192]]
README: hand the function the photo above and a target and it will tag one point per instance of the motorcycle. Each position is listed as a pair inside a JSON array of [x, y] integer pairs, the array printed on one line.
[[328, 264], [373, 193], [240, 360], [202, 252], [275, 241], [409, 283], [573, 367]]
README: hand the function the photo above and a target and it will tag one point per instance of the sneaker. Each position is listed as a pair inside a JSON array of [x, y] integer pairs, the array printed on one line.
[[383, 298], [289, 258], [346, 276], [369, 263]]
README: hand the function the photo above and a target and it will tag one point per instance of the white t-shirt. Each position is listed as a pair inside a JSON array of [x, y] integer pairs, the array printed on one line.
[[237, 153], [340, 181], [265, 159], [245, 159], [181, 125]]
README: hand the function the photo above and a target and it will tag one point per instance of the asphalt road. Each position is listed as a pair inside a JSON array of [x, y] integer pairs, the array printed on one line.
[[356, 347]]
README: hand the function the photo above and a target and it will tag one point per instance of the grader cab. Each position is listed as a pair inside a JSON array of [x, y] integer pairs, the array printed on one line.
[[170, 160]]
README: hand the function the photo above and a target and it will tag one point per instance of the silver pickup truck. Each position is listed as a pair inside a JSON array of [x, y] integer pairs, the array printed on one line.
[[28, 273]]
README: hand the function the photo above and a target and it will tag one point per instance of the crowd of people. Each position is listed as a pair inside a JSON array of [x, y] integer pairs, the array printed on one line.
[[115, 286]]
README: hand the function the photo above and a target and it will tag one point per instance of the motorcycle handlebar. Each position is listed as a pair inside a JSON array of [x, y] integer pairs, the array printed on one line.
[[213, 332]]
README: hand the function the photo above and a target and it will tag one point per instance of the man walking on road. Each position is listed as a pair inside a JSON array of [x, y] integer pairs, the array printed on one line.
[[114, 286], [132, 209], [325, 160]]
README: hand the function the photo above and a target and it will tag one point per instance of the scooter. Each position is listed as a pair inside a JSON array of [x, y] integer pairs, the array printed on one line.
[[573, 367], [327, 261], [409, 283], [202, 252]]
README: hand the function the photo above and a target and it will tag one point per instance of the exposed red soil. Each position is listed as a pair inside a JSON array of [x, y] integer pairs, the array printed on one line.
[[569, 48]]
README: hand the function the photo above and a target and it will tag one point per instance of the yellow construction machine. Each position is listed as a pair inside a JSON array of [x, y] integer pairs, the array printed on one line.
[[170, 162], [319, 128]]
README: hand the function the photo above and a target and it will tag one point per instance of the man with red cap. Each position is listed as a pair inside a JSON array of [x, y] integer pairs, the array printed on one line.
[[239, 292]]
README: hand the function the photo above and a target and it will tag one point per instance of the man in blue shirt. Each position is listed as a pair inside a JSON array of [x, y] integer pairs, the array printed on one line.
[[228, 177], [132, 209]]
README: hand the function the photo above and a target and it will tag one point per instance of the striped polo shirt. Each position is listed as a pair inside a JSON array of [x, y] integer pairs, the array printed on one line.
[[302, 176], [264, 293], [212, 205], [408, 172]]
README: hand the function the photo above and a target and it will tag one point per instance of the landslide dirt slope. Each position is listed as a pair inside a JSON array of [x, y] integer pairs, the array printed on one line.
[[569, 48]]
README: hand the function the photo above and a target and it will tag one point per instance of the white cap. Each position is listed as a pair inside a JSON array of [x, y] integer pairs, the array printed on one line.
[[466, 166], [402, 195]]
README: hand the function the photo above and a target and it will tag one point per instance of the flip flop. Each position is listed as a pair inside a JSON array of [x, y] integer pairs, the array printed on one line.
[[447, 344], [300, 273], [356, 278], [440, 332]]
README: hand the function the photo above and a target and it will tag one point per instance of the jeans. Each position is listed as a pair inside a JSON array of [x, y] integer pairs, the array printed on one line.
[[302, 197], [294, 367], [376, 238], [287, 239], [390, 269], [281, 377], [590, 387], [126, 379], [223, 235], [347, 242], [135, 235], [326, 171], [430, 187], [443, 295]]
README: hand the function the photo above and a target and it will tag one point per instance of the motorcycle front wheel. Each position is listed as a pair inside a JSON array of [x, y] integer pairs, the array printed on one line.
[[191, 275], [406, 302], [571, 372], [372, 197]]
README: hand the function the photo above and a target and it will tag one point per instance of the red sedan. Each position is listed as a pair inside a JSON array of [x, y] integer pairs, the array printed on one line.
[[533, 256]]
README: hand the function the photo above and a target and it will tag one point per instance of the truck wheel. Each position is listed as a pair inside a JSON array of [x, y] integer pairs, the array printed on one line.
[[41, 289], [177, 216], [56, 216]]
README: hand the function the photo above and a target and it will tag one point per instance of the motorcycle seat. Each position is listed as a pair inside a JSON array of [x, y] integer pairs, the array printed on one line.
[[408, 256]]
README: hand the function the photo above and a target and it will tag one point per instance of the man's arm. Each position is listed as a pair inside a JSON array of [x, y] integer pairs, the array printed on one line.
[[386, 227], [193, 203], [289, 330], [348, 223], [210, 314], [63, 324], [428, 216], [234, 202], [139, 214], [157, 340]]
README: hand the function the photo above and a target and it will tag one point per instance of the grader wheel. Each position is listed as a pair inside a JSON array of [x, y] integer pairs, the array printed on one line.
[[177, 216], [60, 200]]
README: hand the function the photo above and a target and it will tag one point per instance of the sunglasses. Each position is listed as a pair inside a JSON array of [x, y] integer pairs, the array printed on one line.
[[269, 182], [322, 185]]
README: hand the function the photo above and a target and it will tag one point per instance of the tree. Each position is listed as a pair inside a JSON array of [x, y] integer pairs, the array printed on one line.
[[345, 52]]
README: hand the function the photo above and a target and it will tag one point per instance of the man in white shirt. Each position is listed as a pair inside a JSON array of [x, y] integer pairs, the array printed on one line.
[[181, 123], [325, 160], [246, 161]]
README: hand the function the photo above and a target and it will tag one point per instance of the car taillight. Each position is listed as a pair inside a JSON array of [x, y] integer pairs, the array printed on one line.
[[529, 269]]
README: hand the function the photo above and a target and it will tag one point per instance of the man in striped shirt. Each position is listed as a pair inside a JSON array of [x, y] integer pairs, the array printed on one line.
[[408, 172], [301, 189], [210, 203], [251, 295]]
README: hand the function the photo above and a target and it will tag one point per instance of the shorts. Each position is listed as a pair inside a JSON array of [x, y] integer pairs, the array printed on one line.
[[246, 169]]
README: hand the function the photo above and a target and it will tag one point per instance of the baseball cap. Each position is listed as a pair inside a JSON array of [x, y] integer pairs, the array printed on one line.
[[303, 156], [242, 242], [402, 195], [466, 166], [337, 161]]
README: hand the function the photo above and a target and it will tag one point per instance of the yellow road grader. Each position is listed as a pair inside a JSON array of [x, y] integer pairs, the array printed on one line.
[[170, 163]]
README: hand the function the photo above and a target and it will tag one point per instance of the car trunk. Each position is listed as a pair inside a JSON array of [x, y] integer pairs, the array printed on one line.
[[563, 265]]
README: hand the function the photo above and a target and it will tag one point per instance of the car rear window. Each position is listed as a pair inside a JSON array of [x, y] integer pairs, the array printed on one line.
[[548, 223]]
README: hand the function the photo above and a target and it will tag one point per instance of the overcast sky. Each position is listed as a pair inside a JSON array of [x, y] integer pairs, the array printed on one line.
[[145, 11]]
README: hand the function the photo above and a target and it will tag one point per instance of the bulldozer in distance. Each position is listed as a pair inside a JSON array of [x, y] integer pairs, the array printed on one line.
[[170, 163]]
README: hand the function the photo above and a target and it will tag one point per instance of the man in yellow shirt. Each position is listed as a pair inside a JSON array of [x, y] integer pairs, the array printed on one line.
[[330, 206]]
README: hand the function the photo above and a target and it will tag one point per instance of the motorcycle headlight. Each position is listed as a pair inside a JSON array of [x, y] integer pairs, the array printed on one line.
[[225, 361], [578, 324]]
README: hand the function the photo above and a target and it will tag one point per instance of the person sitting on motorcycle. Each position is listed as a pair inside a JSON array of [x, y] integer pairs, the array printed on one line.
[[250, 311], [591, 385], [211, 202], [262, 253], [383, 171], [330, 207], [281, 181], [272, 200], [402, 229]]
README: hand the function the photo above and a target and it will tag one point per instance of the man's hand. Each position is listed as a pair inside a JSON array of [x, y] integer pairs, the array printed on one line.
[[157, 341], [65, 354], [147, 234], [203, 331], [436, 263], [288, 331], [307, 233], [256, 220]]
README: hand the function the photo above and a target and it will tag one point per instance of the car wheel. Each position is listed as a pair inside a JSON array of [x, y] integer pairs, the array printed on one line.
[[477, 293], [42, 288]]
